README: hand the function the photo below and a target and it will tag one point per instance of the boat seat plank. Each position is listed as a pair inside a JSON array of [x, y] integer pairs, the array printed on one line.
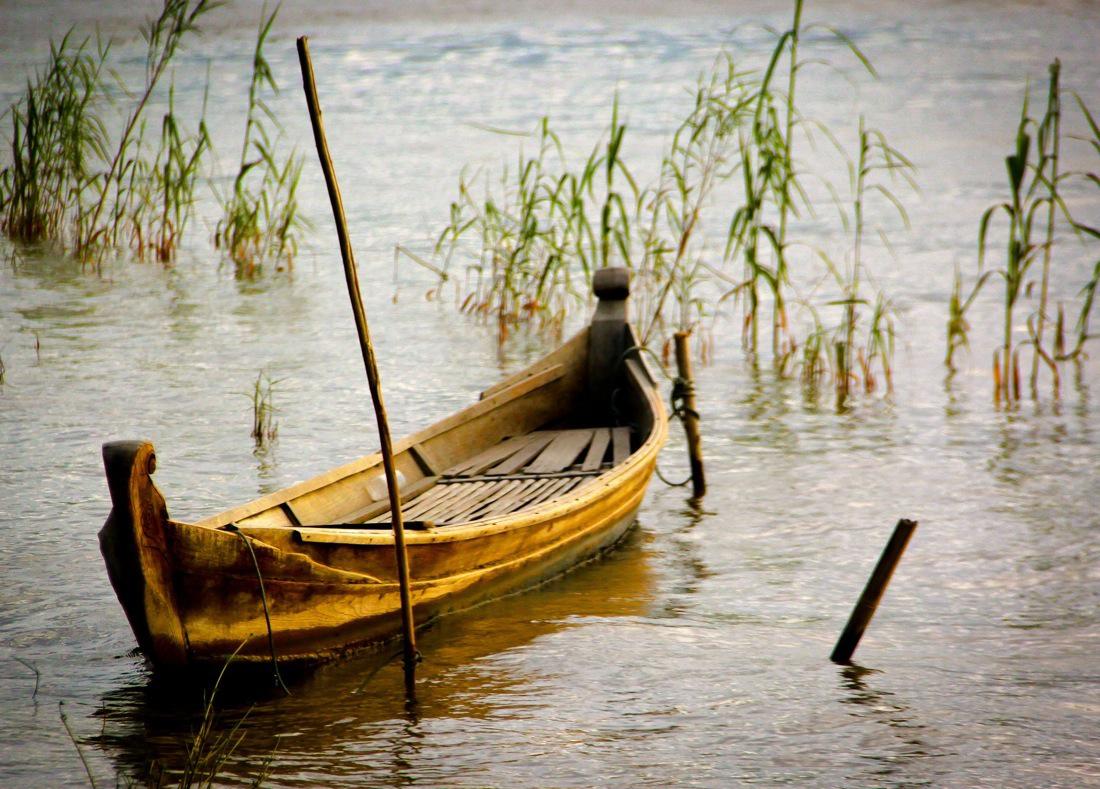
[[490, 457], [460, 496], [407, 493], [514, 501], [620, 441], [415, 508], [490, 493], [412, 507], [561, 452], [597, 449], [559, 487], [524, 455]]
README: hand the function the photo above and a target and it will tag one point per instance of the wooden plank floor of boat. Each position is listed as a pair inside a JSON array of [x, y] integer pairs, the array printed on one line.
[[516, 474]]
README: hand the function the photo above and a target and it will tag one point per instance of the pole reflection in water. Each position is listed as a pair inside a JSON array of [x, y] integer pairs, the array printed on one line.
[[902, 742]]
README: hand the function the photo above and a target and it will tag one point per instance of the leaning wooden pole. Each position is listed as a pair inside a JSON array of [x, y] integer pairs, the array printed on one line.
[[411, 656], [690, 416], [872, 593]]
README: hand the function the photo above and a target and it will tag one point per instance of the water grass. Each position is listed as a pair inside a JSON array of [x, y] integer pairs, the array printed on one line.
[[265, 430], [875, 155], [260, 221], [1035, 206], [540, 231], [56, 138], [97, 232], [535, 226], [166, 191]]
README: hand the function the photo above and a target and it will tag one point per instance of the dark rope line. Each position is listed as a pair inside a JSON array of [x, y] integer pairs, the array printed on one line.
[[267, 615], [667, 481], [681, 388]]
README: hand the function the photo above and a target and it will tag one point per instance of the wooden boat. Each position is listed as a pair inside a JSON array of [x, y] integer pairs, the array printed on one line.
[[544, 471]]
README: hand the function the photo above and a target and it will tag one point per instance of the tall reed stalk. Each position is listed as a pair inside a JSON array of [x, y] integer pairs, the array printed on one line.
[[166, 191], [264, 427], [260, 220], [96, 232]]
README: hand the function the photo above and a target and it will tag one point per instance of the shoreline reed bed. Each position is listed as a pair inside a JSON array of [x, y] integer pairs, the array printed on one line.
[[1035, 210], [70, 185], [56, 136], [533, 240], [74, 186]]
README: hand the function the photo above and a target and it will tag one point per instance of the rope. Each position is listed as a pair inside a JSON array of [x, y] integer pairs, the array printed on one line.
[[667, 481], [681, 389], [232, 527]]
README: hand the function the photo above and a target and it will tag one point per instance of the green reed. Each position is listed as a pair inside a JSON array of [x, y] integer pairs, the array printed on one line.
[[165, 187], [260, 221], [1088, 292], [875, 156], [264, 427], [696, 163], [56, 138]]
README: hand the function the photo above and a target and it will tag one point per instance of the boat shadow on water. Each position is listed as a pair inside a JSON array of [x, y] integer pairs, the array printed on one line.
[[357, 708]]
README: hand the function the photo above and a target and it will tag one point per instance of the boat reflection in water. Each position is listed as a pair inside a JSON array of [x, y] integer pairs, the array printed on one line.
[[344, 714]]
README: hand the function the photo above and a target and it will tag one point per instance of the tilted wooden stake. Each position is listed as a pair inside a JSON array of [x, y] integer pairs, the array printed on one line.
[[691, 416], [411, 656], [872, 593]]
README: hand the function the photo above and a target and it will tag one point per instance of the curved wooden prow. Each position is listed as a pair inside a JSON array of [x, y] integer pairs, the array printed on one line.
[[135, 542], [607, 337]]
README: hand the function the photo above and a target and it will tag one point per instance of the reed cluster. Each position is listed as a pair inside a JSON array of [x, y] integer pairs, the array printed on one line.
[[1035, 207], [534, 236], [77, 186], [56, 138]]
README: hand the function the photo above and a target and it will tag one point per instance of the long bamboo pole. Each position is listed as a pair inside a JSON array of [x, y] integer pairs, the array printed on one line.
[[411, 655]]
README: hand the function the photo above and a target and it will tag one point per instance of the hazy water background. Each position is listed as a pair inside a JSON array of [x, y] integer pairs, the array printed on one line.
[[695, 654]]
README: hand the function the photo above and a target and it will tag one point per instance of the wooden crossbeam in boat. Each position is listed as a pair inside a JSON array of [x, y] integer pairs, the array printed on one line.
[[459, 481]]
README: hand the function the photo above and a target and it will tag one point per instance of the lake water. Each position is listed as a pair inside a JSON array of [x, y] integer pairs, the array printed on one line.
[[697, 652]]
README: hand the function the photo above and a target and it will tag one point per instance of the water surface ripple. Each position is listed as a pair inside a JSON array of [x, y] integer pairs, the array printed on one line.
[[694, 654]]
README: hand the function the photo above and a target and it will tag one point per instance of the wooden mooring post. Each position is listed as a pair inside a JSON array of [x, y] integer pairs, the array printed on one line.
[[872, 593], [690, 416]]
